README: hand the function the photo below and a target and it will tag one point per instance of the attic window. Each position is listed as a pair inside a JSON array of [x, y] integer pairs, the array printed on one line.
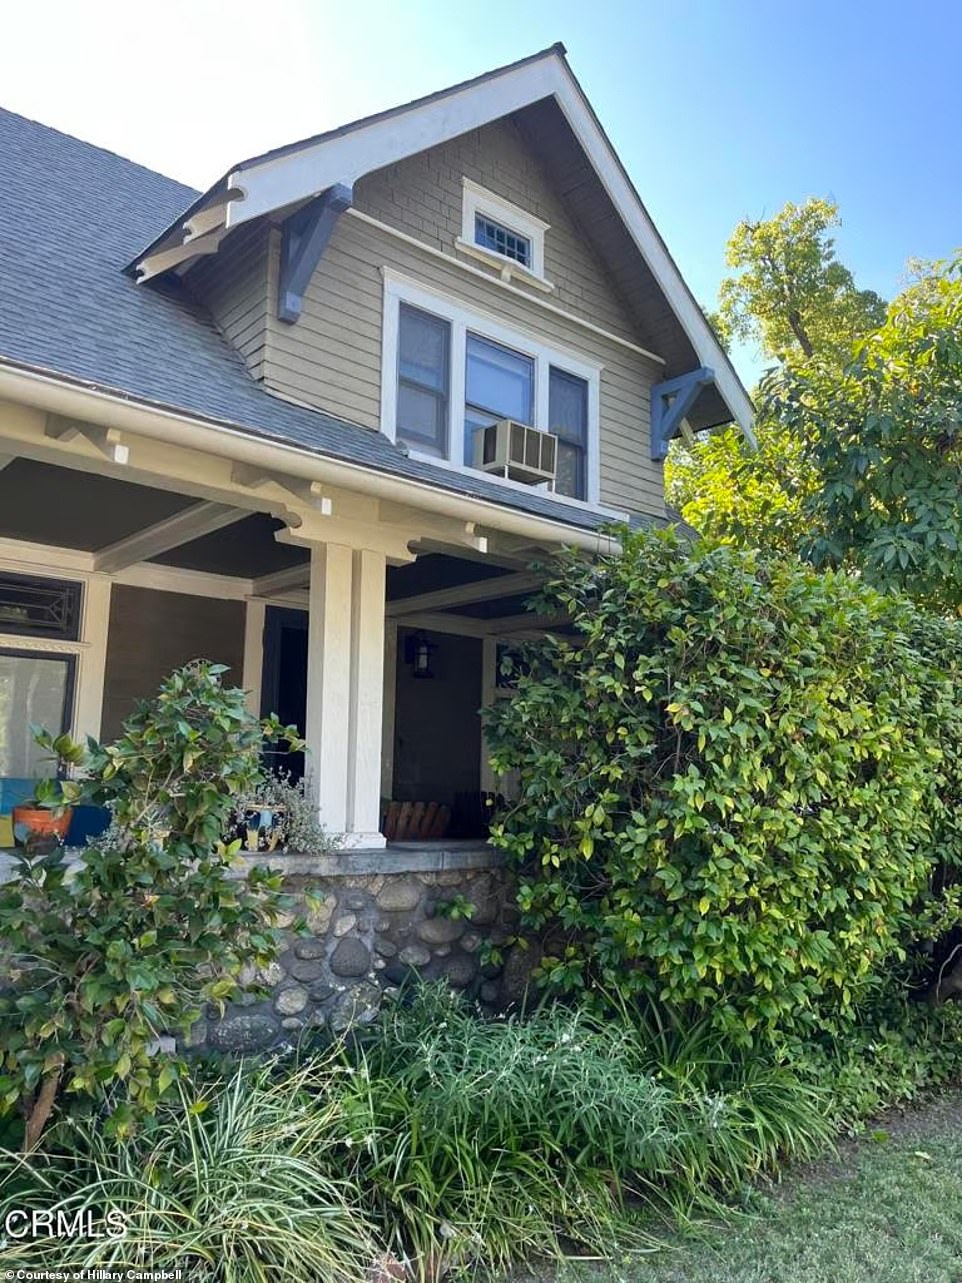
[[494, 236], [503, 236]]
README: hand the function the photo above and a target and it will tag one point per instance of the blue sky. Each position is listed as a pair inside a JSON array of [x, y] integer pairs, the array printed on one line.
[[718, 108]]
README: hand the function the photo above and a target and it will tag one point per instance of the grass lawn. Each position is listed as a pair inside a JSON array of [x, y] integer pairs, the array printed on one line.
[[887, 1210]]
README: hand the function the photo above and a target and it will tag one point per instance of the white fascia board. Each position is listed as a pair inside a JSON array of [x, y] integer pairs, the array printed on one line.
[[643, 232], [285, 180]]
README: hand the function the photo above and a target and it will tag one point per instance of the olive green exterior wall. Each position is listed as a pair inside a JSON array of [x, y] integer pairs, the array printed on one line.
[[331, 358]]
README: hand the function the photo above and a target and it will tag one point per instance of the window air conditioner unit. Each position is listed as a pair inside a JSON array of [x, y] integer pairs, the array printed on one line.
[[514, 450]]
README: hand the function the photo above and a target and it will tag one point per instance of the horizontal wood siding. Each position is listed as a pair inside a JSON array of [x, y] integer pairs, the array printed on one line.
[[151, 633], [232, 285], [332, 357]]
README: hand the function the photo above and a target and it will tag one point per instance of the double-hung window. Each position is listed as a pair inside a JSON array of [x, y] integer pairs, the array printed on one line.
[[568, 420], [456, 372], [424, 343], [498, 384]]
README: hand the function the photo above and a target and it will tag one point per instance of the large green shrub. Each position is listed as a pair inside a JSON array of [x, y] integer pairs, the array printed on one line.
[[104, 960], [729, 773]]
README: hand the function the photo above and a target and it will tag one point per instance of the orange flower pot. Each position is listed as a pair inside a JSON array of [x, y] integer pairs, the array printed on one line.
[[37, 823]]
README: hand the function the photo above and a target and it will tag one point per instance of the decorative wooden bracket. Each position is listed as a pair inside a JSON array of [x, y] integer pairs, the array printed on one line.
[[310, 492], [670, 403], [457, 533], [305, 238], [108, 441]]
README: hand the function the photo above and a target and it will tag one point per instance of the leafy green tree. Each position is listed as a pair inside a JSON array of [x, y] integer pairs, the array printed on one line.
[[790, 292], [731, 770], [104, 960], [753, 498], [885, 437], [793, 296]]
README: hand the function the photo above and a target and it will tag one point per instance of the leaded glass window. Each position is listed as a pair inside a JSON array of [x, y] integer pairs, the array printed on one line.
[[39, 607]]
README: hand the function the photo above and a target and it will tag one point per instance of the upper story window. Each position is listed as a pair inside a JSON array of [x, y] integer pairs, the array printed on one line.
[[568, 417], [423, 372], [503, 235], [494, 236], [449, 372], [498, 384]]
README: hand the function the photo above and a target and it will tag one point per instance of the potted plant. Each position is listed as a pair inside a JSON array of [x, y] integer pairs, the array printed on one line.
[[279, 817], [44, 818]]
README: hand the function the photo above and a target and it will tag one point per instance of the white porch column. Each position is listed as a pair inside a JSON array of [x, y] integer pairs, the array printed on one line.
[[329, 681], [255, 613], [89, 699], [367, 699], [390, 701]]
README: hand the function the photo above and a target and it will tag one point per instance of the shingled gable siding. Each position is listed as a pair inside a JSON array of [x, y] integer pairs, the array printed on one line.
[[331, 357], [232, 284], [422, 196]]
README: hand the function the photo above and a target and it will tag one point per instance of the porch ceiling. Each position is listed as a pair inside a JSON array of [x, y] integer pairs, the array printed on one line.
[[247, 549], [434, 572], [42, 503], [63, 507]]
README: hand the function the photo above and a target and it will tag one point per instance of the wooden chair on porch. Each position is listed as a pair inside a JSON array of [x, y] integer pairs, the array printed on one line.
[[416, 821]]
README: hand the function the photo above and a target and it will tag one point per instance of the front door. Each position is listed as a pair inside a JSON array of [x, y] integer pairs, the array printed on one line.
[[437, 728]]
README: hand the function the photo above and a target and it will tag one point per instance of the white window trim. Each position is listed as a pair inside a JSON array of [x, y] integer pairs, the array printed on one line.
[[89, 648], [478, 200], [400, 289]]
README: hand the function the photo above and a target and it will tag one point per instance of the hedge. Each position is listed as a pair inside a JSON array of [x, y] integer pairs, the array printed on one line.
[[740, 783]]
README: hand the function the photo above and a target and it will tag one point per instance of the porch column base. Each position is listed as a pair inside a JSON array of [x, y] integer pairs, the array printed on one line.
[[362, 842]]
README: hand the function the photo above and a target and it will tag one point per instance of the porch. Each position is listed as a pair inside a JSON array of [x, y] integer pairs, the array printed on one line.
[[375, 625]]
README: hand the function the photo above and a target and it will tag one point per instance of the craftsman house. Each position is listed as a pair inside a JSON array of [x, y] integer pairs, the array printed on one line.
[[315, 422]]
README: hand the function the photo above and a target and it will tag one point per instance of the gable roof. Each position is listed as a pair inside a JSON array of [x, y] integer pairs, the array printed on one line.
[[71, 216], [543, 92]]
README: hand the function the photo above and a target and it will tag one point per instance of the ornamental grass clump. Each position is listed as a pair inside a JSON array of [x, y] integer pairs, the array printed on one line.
[[236, 1181], [484, 1142], [436, 1143], [732, 774]]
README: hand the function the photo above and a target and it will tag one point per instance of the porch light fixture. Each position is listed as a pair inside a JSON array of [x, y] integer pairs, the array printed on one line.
[[417, 652]]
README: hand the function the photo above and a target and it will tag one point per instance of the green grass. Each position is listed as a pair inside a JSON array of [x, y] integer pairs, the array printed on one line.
[[885, 1211]]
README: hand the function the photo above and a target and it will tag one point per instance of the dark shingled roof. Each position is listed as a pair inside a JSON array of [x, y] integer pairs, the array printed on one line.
[[71, 216]]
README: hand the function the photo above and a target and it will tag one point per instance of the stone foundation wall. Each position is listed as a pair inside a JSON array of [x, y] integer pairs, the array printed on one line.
[[372, 932]]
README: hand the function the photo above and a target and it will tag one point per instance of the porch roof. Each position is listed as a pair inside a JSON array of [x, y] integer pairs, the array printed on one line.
[[71, 216]]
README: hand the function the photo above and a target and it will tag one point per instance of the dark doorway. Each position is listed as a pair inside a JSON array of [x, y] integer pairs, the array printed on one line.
[[284, 678], [437, 729]]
